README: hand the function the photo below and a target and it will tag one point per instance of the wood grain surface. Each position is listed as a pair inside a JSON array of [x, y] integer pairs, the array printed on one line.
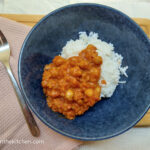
[[31, 20]]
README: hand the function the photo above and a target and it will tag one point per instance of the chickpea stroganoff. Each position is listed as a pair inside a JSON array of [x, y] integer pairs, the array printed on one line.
[[74, 84], [71, 85]]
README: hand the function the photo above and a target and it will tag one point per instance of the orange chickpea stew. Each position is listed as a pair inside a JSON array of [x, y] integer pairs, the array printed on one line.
[[71, 85]]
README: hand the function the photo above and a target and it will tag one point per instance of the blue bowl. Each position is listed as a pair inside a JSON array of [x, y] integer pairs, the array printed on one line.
[[109, 117]]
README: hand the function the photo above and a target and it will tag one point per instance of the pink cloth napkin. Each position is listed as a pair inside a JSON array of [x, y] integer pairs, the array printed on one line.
[[13, 127]]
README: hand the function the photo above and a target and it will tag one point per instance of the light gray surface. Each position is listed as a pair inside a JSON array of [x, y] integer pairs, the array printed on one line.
[[134, 139], [134, 8]]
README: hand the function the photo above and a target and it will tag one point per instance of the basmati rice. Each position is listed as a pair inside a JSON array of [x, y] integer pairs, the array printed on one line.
[[111, 68]]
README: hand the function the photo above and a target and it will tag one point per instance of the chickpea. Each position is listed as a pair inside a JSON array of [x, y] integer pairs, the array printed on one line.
[[68, 107], [98, 89], [82, 53], [91, 47], [54, 93], [65, 106], [57, 102], [93, 79], [44, 91], [63, 69], [47, 67], [97, 92], [83, 64], [78, 95], [49, 104], [73, 61], [62, 83], [85, 107], [54, 72], [80, 112], [103, 82], [91, 85], [52, 83], [55, 109], [49, 99], [69, 95], [84, 85], [46, 75], [85, 77], [70, 114], [95, 71], [80, 101], [75, 107], [72, 81], [97, 60], [44, 83], [89, 92], [94, 74], [91, 103], [76, 71], [58, 60]]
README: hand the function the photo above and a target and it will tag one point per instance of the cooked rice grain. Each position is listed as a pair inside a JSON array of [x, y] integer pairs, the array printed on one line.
[[112, 61]]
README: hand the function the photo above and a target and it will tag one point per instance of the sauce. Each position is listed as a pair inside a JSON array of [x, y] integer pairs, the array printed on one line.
[[71, 85]]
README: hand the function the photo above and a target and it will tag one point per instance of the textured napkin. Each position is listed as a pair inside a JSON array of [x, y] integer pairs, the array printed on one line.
[[13, 128]]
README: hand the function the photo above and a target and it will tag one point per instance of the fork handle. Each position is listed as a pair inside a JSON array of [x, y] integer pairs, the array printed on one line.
[[26, 112]]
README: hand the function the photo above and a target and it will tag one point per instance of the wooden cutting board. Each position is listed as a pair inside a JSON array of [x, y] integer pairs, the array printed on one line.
[[31, 20]]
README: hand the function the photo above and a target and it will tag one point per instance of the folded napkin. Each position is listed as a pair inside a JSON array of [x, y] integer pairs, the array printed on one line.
[[13, 128]]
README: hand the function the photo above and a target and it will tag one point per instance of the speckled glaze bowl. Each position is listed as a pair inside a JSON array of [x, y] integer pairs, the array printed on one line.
[[109, 117]]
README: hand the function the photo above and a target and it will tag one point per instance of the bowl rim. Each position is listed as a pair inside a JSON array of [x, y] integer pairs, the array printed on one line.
[[28, 101]]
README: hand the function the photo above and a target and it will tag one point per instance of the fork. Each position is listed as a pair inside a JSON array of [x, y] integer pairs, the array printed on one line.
[[4, 58]]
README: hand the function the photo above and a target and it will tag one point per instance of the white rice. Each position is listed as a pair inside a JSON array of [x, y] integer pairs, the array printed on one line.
[[111, 68]]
